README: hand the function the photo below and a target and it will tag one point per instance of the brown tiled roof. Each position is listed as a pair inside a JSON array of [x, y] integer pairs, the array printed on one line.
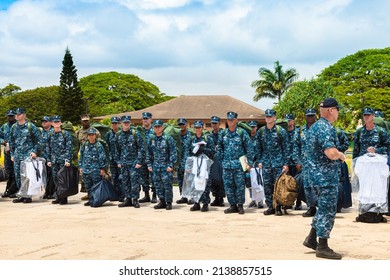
[[193, 107]]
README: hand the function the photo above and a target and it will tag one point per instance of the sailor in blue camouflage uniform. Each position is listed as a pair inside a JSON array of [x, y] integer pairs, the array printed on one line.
[[323, 160], [371, 138], [25, 141], [45, 132], [292, 133], [161, 157], [344, 186], [130, 156], [209, 151], [272, 151], [234, 143], [300, 157], [145, 176], [111, 142], [217, 188], [59, 152], [185, 135], [5, 131], [252, 136], [92, 162]]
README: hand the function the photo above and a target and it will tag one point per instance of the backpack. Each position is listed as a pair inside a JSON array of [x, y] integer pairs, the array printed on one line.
[[285, 190], [68, 126], [175, 134]]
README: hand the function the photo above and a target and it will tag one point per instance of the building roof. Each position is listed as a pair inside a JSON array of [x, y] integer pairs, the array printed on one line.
[[193, 107]]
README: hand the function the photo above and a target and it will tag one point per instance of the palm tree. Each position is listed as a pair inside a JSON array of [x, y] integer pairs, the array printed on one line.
[[274, 84]]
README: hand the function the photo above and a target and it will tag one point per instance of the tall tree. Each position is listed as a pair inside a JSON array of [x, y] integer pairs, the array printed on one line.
[[9, 90], [71, 103], [274, 84]]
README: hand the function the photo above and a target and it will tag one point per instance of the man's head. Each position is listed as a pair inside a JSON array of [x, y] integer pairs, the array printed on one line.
[[215, 121], [46, 122], [368, 115], [126, 122], [158, 127], [310, 115], [115, 122], [329, 109], [10, 115], [56, 121], [91, 134], [253, 125], [232, 119], [182, 122], [20, 114], [290, 118], [198, 126], [85, 121], [270, 116], [147, 119]]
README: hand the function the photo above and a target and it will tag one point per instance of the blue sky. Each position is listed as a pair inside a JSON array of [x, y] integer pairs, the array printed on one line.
[[185, 47]]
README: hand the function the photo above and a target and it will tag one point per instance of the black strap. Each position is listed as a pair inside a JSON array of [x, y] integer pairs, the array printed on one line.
[[36, 169], [199, 166]]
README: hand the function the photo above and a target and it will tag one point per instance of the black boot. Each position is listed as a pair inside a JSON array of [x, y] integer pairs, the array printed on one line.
[[154, 198], [56, 201], [64, 201], [311, 240], [169, 206], [310, 212], [231, 209], [182, 200], [160, 205], [135, 203], [269, 211], [146, 198], [214, 202], [323, 251], [126, 203], [278, 210], [205, 208], [240, 208], [298, 205], [195, 207]]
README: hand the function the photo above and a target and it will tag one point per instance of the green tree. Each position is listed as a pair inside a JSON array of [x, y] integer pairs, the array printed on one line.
[[71, 104], [274, 84], [9, 90], [112, 92], [302, 95], [38, 102], [361, 80]]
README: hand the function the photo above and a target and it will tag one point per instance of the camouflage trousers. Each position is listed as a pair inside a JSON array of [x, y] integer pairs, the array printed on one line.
[[234, 183], [205, 198], [54, 177], [162, 180], [180, 178], [270, 174], [145, 179], [130, 181], [115, 172], [17, 173], [323, 220], [91, 179], [310, 194]]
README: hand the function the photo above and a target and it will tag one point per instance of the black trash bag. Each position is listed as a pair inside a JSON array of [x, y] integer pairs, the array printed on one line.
[[68, 181], [346, 187], [102, 192]]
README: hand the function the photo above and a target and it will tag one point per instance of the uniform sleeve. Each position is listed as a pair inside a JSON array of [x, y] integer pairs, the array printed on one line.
[[37, 139], [172, 151], [259, 146], [220, 152], [68, 147], [141, 149], [210, 148], [249, 151], [343, 142], [285, 146], [149, 152], [384, 147], [356, 145], [102, 156], [297, 149]]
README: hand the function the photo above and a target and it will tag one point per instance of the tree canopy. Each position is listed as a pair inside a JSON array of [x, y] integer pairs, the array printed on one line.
[[112, 92]]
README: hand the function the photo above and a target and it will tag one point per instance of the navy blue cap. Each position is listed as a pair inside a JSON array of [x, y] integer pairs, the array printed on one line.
[[158, 123], [329, 103], [146, 115], [91, 130], [231, 115], [56, 118], [378, 114], [181, 121], [46, 119], [252, 123], [368, 111], [10, 113], [270, 113], [215, 119], [115, 120], [198, 124], [126, 118], [20, 110], [310, 112], [289, 117]]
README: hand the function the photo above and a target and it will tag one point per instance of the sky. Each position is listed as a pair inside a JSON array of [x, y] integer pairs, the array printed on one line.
[[185, 47]]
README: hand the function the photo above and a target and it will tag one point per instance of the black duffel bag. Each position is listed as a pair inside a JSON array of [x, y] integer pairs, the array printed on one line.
[[68, 181]]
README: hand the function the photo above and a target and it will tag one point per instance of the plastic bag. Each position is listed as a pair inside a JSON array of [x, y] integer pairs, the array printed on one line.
[[257, 184], [68, 181], [102, 192], [32, 176]]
